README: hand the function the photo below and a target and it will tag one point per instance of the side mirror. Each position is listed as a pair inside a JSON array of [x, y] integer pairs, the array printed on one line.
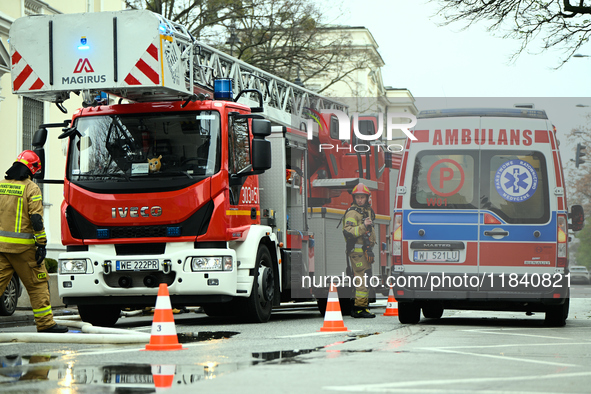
[[261, 128], [39, 138], [41, 153], [261, 154], [577, 216], [260, 149]]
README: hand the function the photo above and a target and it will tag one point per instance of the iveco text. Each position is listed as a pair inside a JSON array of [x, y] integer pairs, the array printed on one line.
[[155, 211]]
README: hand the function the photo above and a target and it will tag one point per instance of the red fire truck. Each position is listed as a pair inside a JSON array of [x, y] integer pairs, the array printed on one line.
[[182, 182]]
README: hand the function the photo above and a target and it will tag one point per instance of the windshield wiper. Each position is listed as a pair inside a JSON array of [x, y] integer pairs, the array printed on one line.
[[103, 176], [178, 172]]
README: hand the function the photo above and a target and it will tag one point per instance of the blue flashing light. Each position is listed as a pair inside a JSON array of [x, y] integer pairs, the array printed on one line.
[[222, 89], [173, 231], [83, 44], [103, 233]]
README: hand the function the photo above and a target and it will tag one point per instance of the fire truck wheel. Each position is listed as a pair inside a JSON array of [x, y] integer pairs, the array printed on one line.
[[100, 315], [260, 302], [409, 312], [322, 302], [221, 309], [433, 310], [556, 315]]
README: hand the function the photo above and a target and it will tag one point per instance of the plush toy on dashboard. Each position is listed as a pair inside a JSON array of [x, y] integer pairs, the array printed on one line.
[[155, 164]]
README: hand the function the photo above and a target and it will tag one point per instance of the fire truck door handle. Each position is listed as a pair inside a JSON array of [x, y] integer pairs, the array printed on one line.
[[496, 232]]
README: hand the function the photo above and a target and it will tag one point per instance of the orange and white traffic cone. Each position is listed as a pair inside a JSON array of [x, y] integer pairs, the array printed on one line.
[[333, 319], [392, 305], [163, 376], [163, 331]]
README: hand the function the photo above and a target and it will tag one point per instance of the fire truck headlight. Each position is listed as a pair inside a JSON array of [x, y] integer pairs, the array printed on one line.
[[218, 263], [72, 266], [206, 264], [228, 264]]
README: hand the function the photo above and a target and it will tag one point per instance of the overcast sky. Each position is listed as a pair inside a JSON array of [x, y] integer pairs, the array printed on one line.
[[448, 62]]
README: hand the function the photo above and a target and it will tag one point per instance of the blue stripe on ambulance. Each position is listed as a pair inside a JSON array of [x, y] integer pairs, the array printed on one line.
[[463, 226], [448, 231]]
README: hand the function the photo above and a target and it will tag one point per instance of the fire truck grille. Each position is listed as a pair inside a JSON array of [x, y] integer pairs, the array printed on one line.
[[138, 232], [140, 249], [195, 225], [137, 279]]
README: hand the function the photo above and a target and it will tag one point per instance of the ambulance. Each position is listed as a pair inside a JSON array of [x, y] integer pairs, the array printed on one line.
[[480, 218]]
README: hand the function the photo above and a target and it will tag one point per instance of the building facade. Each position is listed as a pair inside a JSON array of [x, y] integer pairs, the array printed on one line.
[[363, 89]]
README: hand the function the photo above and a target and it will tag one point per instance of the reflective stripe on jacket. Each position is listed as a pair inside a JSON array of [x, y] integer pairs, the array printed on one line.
[[18, 201], [355, 227]]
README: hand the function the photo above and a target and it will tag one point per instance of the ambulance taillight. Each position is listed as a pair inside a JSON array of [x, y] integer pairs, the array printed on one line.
[[561, 238], [397, 240]]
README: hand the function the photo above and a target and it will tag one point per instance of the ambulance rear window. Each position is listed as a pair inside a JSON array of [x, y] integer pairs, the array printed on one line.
[[445, 180], [515, 186], [512, 184]]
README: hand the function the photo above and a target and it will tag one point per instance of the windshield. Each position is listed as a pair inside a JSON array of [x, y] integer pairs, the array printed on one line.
[[145, 148]]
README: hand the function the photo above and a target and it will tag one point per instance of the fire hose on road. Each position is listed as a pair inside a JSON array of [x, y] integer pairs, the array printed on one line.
[[92, 334]]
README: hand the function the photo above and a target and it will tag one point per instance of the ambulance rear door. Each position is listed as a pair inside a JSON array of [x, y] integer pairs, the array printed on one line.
[[441, 210], [518, 208]]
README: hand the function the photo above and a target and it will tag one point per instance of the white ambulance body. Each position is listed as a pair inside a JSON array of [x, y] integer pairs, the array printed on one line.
[[480, 218]]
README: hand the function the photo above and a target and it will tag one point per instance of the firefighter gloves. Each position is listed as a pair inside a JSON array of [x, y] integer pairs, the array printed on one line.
[[40, 254]]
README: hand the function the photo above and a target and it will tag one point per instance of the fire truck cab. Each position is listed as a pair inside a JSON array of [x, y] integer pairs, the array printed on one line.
[[165, 185]]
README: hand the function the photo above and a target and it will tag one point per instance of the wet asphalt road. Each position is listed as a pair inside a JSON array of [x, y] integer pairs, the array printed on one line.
[[464, 352]]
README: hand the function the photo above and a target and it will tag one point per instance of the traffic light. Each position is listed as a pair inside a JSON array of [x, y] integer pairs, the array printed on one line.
[[580, 154]]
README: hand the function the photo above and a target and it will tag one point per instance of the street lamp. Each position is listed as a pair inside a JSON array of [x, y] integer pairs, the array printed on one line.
[[298, 80], [233, 39], [579, 55]]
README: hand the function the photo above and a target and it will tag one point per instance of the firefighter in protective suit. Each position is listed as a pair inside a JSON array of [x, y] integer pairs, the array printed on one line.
[[22, 237], [360, 238]]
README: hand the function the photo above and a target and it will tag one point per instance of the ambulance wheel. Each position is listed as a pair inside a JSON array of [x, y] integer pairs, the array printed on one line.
[[433, 310], [409, 313], [556, 315], [100, 315], [260, 302]]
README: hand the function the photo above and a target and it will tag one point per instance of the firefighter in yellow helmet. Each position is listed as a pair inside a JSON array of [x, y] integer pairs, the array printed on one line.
[[360, 238], [22, 237]]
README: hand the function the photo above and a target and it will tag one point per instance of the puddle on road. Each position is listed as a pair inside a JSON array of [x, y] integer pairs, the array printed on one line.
[[285, 356], [205, 336], [146, 378]]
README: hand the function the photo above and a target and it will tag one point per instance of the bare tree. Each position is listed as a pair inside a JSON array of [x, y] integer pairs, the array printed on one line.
[[200, 17], [288, 38], [578, 182], [579, 179], [558, 24]]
